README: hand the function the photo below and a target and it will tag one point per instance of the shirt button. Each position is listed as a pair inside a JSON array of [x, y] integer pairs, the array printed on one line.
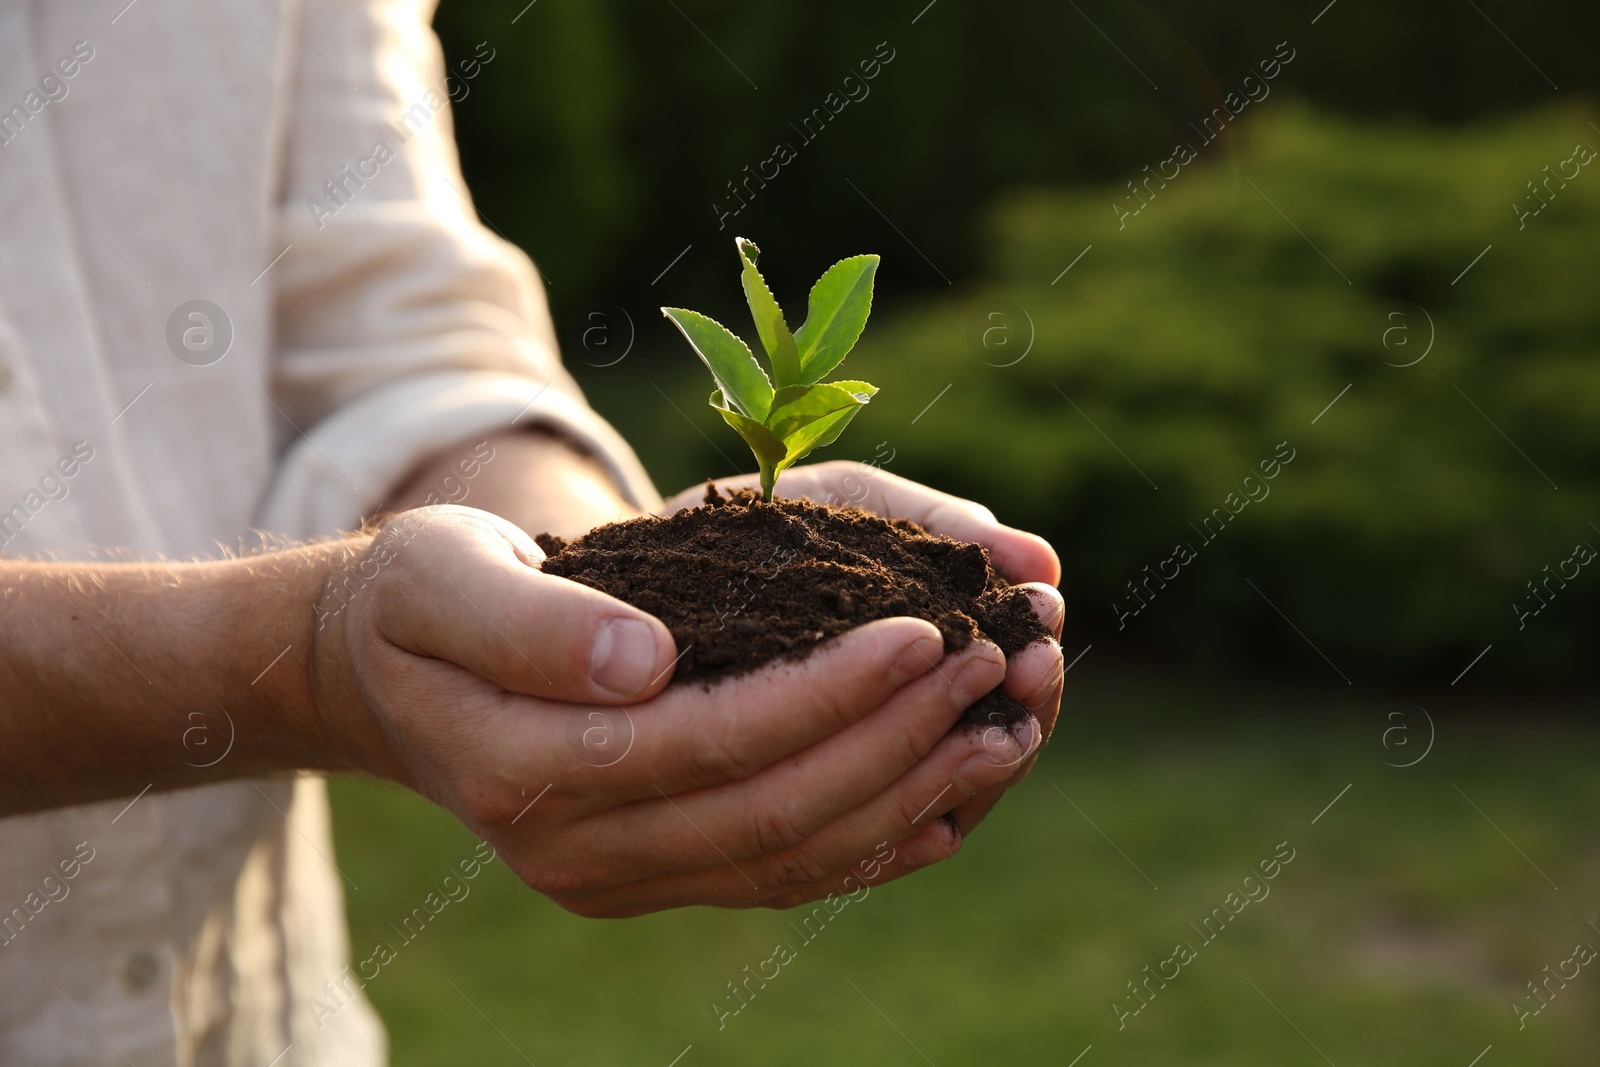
[[140, 971]]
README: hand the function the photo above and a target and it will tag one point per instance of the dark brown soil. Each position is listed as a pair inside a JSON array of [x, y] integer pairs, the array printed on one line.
[[740, 582]]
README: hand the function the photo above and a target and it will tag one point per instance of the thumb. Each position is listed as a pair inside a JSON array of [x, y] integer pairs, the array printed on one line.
[[471, 593]]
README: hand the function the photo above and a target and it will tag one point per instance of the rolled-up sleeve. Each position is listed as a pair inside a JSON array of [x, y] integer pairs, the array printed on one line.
[[403, 326]]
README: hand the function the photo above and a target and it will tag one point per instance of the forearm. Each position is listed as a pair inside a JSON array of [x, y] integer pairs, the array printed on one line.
[[533, 478], [118, 677]]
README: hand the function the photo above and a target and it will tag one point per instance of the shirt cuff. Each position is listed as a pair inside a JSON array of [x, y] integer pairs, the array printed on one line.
[[354, 459]]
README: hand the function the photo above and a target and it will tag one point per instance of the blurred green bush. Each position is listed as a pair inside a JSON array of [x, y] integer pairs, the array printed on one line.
[[1196, 336]]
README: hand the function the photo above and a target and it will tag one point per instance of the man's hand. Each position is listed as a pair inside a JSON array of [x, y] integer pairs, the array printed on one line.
[[1034, 676], [437, 654], [462, 671]]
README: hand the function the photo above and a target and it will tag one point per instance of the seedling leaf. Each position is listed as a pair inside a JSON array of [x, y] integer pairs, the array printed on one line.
[[768, 316], [739, 377], [801, 405], [866, 388], [835, 316], [816, 435]]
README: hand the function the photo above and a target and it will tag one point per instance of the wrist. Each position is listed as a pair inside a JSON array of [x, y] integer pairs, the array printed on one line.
[[333, 709], [302, 728], [266, 665]]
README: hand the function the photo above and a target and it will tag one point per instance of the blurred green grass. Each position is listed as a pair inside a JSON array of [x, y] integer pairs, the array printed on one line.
[[1399, 934]]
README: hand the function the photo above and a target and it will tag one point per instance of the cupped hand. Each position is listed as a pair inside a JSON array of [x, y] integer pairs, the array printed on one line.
[[537, 710], [1034, 675]]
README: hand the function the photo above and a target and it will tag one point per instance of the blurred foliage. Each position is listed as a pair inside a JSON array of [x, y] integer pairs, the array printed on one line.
[[603, 131], [1210, 329], [989, 154], [1399, 934]]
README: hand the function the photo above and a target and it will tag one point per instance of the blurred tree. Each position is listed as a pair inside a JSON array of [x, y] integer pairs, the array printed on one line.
[[603, 132], [1197, 337]]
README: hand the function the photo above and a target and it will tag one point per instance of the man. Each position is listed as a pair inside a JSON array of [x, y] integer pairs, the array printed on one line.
[[241, 288]]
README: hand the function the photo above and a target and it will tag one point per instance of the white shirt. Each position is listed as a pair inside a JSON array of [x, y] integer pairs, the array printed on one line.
[[183, 158]]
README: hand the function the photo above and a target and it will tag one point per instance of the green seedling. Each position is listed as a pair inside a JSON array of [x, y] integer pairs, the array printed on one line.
[[785, 417]]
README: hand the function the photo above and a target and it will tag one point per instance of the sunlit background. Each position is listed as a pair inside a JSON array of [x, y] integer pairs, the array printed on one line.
[[1135, 257]]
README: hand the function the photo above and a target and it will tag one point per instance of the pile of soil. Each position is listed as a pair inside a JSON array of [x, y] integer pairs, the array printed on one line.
[[741, 582]]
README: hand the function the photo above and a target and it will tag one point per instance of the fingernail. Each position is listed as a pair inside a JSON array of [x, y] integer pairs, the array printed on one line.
[[623, 659], [1026, 734], [1037, 699], [1000, 752], [940, 841], [919, 657], [1049, 607], [981, 673]]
